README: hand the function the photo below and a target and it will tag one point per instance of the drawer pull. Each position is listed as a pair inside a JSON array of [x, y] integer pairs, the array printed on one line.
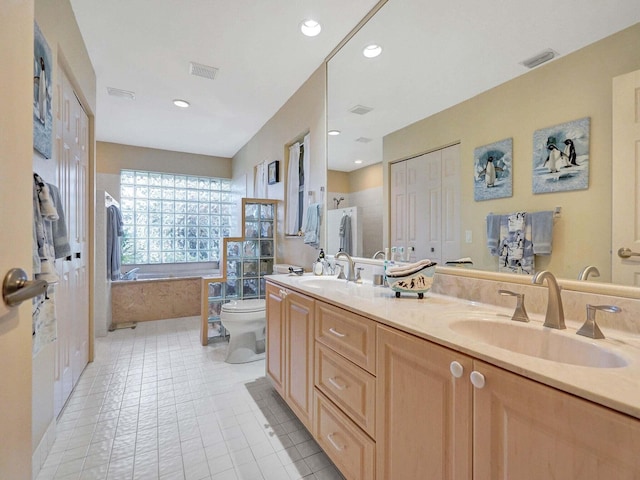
[[336, 384], [283, 293], [333, 442], [336, 333]]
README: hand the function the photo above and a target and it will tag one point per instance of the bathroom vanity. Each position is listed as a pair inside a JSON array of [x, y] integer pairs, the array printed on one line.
[[449, 387]]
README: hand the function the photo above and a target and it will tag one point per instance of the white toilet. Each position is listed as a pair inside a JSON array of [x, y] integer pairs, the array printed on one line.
[[245, 320]]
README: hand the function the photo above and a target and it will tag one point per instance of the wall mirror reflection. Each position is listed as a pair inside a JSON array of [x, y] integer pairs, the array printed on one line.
[[453, 75]]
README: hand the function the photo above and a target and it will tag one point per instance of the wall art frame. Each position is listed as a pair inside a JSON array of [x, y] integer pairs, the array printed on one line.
[[493, 170], [42, 93], [561, 157], [273, 172]]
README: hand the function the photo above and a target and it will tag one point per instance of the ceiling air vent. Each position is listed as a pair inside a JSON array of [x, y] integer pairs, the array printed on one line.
[[540, 58], [360, 110], [204, 71], [363, 139], [117, 92]]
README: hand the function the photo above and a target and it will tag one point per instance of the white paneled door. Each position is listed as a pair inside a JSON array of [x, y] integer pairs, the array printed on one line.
[[425, 206], [72, 293], [626, 179]]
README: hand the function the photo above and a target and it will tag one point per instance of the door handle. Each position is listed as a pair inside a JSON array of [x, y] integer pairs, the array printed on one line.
[[16, 287], [625, 252]]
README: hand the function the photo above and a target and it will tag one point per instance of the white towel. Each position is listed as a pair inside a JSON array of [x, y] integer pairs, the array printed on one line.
[[403, 270]]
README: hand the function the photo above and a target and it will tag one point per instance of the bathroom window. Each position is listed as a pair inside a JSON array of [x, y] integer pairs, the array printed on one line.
[[172, 218]]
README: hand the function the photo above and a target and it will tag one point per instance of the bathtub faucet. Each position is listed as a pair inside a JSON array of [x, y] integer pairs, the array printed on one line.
[[130, 275]]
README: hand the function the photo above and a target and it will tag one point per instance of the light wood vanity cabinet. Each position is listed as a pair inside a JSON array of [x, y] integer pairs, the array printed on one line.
[[384, 404], [423, 413], [289, 359], [526, 430]]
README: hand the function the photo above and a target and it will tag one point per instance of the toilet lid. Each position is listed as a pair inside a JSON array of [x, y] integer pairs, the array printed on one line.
[[244, 306]]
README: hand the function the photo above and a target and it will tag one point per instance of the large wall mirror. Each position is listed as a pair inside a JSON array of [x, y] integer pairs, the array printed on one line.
[[453, 74]]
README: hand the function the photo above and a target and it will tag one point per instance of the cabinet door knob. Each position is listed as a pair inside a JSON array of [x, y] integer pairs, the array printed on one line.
[[283, 293], [456, 369], [477, 379]]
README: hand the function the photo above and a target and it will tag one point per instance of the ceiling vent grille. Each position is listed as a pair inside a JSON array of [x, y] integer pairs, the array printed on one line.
[[540, 58], [360, 110], [363, 139], [204, 71], [117, 92]]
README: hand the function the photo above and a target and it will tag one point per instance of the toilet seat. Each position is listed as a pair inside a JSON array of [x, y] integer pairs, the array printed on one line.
[[244, 306]]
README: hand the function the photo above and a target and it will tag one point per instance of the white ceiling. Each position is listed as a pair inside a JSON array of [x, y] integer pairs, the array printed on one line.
[[438, 53], [145, 46]]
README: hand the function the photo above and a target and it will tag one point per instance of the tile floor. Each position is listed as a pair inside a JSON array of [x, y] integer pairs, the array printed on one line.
[[155, 404]]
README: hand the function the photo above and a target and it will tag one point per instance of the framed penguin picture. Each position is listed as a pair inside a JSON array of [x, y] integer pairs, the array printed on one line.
[[493, 166], [273, 172], [42, 91]]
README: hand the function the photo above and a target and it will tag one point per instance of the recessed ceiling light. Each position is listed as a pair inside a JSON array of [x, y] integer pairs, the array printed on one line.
[[358, 162], [181, 103], [372, 51], [333, 132], [310, 28]]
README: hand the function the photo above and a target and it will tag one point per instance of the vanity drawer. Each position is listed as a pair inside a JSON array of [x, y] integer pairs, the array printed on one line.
[[349, 334], [348, 386], [352, 451]]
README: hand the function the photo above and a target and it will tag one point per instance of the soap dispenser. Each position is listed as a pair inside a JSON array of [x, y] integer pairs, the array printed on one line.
[[318, 266]]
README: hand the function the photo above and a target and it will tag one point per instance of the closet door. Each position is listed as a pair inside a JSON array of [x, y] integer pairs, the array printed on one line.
[[71, 297], [451, 203], [398, 195], [430, 218]]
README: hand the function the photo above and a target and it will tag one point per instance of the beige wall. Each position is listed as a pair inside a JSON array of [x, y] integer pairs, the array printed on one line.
[[569, 88], [58, 25], [303, 112], [365, 178], [113, 157], [356, 180], [338, 181]]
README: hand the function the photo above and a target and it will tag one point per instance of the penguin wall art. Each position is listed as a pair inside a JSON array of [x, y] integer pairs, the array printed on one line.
[[493, 166], [561, 157]]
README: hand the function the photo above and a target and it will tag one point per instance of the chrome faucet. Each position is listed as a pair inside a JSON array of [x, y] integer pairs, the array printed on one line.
[[584, 274], [351, 273], [554, 317], [520, 313], [377, 254]]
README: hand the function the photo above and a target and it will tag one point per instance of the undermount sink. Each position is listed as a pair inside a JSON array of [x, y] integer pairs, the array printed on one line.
[[324, 282], [537, 341]]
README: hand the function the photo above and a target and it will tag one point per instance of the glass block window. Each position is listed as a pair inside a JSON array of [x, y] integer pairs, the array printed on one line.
[[172, 218]]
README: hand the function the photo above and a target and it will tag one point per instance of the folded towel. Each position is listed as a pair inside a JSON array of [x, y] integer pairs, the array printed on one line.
[[404, 270], [542, 232], [516, 222], [493, 233]]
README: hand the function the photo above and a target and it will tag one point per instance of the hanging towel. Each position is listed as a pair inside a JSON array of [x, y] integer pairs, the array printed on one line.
[[311, 227], [344, 233], [59, 226], [114, 231], [47, 207], [493, 233], [542, 232], [516, 249], [43, 237]]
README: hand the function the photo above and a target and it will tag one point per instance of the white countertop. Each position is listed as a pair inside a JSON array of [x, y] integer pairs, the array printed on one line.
[[431, 318]]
